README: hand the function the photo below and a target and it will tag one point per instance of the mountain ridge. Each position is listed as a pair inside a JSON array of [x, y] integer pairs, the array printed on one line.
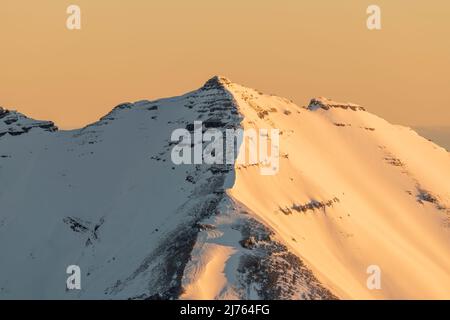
[[352, 191], [217, 81]]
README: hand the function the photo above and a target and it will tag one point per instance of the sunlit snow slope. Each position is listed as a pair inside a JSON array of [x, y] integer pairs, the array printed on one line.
[[352, 191]]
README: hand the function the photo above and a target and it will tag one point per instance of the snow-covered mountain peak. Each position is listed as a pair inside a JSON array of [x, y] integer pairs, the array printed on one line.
[[15, 123], [217, 81], [352, 191], [326, 104]]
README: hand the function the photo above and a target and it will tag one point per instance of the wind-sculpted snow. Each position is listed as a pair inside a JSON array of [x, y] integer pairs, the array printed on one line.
[[352, 191], [253, 262]]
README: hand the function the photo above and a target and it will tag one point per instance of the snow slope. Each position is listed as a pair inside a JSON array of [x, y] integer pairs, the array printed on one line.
[[352, 191], [388, 191]]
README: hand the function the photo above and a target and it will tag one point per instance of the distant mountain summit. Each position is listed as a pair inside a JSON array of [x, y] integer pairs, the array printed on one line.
[[15, 123], [353, 194]]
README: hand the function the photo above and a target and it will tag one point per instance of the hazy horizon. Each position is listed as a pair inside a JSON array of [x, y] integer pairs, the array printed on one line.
[[439, 135], [295, 49]]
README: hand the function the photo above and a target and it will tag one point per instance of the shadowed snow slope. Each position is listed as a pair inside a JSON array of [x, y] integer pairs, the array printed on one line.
[[352, 191]]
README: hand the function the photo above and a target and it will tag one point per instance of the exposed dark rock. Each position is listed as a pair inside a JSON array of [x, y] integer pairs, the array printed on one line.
[[274, 273], [310, 206], [126, 105], [394, 161], [77, 224], [326, 104], [425, 196], [16, 124]]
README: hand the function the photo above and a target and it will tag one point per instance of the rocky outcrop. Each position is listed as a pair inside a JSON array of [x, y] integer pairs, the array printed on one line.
[[272, 272], [326, 104], [16, 124]]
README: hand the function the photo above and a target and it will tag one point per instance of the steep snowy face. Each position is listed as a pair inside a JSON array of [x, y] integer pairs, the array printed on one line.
[[352, 191], [106, 198]]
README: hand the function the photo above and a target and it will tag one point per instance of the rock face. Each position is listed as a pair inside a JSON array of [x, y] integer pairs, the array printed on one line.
[[109, 199], [16, 124], [327, 104], [273, 271]]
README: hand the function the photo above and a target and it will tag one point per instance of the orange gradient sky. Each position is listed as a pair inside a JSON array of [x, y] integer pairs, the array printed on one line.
[[136, 49]]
